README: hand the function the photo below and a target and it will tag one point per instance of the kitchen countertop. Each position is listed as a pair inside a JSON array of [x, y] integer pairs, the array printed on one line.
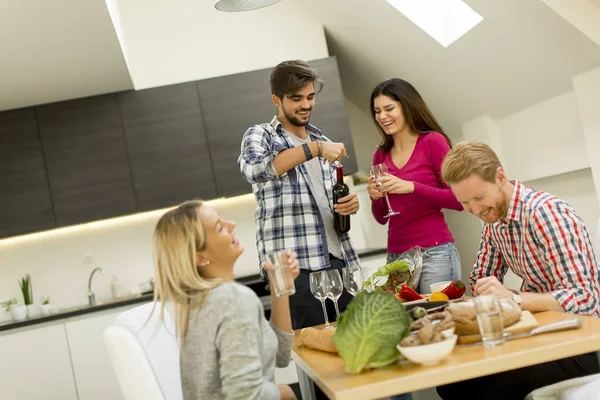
[[107, 305]]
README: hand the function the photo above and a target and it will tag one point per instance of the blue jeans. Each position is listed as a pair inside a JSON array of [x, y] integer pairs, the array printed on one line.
[[440, 263]]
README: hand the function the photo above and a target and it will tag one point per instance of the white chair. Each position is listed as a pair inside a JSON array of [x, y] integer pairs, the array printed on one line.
[[572, 389], [145, 354]]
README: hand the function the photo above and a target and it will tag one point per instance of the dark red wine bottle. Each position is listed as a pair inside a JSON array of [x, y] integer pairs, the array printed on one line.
[[340, 189]]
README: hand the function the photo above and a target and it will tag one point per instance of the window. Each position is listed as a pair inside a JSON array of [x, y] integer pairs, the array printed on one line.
[[443, 20]]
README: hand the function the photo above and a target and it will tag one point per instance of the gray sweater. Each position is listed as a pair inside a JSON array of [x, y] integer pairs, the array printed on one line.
[[231, 350]]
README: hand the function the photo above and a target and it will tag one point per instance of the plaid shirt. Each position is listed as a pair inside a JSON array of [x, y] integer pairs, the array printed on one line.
[[545, 242], [287, 216]]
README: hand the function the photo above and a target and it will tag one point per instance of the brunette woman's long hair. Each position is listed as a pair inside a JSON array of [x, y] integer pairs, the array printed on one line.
[[416, 113]]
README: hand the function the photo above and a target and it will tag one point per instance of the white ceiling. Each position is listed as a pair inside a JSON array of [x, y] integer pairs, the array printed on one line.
[[56, 50], [520, 54]]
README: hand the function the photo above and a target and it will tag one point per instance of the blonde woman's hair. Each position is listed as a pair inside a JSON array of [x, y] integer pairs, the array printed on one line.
[[470, 158], [178, 237]]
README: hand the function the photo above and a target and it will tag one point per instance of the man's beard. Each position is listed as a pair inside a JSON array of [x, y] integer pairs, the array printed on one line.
[[294, 120]]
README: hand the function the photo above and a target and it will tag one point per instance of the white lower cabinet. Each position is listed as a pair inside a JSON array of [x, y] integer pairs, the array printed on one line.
[[35, 365], [92, 368]]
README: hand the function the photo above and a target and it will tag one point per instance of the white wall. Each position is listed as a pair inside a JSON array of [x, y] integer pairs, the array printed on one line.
[[174, 41]]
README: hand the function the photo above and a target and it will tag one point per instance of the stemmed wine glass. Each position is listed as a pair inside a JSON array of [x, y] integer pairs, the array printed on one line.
[[336, 288], [353, 280], [319, 287], [377, 171]]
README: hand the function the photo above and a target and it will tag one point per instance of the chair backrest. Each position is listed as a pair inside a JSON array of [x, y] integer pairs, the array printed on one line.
[[145, 354]]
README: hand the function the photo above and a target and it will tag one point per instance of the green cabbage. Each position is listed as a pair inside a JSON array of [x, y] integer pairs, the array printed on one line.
[[369, 330]]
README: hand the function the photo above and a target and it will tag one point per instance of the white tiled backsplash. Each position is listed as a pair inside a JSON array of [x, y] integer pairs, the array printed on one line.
[[123, 247]]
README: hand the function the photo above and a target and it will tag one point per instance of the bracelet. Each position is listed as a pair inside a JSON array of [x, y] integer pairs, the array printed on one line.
[[307, 151], [320, 153]]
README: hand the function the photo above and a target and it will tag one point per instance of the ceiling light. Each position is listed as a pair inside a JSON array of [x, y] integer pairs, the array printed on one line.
[[242, 5]]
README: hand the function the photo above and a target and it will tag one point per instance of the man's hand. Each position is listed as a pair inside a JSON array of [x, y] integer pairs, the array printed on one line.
[[393, 184], [347, 205], [333, 151], [491, 285]]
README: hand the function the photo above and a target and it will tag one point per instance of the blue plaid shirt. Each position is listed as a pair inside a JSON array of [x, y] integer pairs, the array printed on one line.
[[287, 216]]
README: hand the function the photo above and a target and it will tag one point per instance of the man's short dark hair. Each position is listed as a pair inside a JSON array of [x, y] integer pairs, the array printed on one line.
[[290, 76]]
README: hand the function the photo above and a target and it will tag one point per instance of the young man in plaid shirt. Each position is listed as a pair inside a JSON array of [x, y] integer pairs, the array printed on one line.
[[541, 239], [289, 164]]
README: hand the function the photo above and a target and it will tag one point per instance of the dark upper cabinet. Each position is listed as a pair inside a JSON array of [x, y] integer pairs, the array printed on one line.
[[329, 113], [230, 105], [86, 159], [168, 151], [25, 203]]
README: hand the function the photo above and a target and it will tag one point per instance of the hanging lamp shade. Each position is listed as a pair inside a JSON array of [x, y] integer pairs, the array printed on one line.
[[242, 5]]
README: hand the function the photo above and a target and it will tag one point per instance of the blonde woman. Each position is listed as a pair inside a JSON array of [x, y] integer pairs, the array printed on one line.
[[228, 349]]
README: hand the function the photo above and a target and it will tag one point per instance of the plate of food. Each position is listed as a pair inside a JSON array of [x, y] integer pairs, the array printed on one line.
[[396, 278]]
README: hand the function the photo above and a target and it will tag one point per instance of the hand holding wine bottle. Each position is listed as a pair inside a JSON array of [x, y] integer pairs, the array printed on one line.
[[344, 202]]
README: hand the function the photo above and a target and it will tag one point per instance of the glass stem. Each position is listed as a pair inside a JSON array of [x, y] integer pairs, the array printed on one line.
[[325, 315], [337, 310], [387, 200]]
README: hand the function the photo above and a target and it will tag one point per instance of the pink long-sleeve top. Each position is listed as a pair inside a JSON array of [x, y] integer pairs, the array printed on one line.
[[421, 221]]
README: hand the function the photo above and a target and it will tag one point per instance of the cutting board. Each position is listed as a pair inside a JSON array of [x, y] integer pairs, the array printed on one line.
[[525, 324]]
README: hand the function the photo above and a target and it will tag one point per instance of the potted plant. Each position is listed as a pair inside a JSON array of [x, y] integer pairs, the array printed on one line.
[[45, 307], [27, 290], [18, 311]]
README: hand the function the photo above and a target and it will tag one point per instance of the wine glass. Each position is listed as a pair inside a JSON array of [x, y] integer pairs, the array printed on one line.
[[353, 280], [319, 287], [336, 288], [377, 171]]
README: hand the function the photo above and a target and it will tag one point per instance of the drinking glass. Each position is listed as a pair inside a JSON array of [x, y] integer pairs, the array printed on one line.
[[489, 319], [353, 280], [319, 287], [280, 275], [336, 288], [377, 171]]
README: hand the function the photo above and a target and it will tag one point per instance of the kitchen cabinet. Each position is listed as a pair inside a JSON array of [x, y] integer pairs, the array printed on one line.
[[36, 366], [168, 152], [92, 367], [25, 203], [86, 159], [230, 105]]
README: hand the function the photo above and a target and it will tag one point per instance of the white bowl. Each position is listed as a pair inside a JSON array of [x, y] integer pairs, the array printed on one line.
[[439, 286], [429, 354]]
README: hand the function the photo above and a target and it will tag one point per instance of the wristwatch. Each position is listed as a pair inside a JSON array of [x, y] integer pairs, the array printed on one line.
[[516, 297]]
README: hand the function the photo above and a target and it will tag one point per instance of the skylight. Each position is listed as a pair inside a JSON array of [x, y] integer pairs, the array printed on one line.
[[443, 20]]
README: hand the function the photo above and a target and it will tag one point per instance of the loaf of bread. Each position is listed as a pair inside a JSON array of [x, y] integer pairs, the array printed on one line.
[[319, 339], [465, 317]]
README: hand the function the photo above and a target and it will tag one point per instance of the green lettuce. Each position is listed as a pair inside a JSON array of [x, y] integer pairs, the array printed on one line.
[[369, 330], [398, 272]]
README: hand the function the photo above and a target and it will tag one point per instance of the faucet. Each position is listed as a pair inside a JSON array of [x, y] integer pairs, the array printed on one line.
[[91, 296]]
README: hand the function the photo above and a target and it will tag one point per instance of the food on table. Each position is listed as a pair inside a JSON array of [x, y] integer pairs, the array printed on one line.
[[397, 272], [455, 290], [428, 332], [438, 296], [465, 317], [407, 294], [319, 339], [369, 330], [417, 312]]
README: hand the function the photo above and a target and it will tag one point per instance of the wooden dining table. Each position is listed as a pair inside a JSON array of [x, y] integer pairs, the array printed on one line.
[[465, 362]]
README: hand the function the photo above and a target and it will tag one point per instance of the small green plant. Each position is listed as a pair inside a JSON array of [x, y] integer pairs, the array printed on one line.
[[45, 300], [27, 289], [8, 304]]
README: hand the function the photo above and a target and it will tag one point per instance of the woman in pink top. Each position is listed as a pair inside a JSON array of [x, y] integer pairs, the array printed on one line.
[[413, 148]]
